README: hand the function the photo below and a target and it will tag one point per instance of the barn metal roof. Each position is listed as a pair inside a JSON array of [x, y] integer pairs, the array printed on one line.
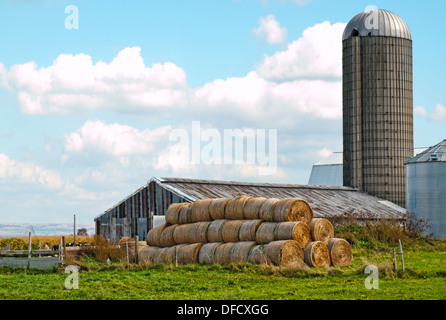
[[326, 201], [387, 24], [436, 153]]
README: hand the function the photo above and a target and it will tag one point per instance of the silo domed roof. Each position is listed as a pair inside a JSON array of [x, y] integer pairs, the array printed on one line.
[[387, 24]]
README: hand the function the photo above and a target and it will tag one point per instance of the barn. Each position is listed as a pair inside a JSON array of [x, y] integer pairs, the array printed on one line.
[[139, 212]]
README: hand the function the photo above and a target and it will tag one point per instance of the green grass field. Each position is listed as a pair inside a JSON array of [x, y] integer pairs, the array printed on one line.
[[423, 279]]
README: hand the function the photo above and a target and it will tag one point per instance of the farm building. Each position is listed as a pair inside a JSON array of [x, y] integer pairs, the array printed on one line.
[[328, 171], [138, 213]]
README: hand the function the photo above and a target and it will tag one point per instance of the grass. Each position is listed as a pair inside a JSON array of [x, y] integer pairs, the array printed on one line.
[[423, 279]]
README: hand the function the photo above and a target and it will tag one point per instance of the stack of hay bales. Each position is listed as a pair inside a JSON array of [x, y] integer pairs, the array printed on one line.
[[246, 229]]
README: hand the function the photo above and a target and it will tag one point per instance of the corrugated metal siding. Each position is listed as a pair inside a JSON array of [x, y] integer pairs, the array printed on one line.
[[325, 201], [377, 114]]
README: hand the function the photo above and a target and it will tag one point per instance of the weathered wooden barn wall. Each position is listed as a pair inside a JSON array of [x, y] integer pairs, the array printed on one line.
[[132, 216]]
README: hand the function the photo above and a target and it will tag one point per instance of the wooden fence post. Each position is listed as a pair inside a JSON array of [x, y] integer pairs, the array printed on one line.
[[74, 231], [394, 260], [401, 252], [127, 248], [136, 248], [29, 251]]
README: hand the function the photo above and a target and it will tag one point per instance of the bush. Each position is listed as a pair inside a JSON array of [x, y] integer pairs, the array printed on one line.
[[102, 250]]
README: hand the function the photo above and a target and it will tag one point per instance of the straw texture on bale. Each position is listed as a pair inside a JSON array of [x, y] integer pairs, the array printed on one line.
[[215, 230], [285, 253], [166, 236], [316, 255], [266, 232], [252, 208], [200, 210], [248, 230], [222, 254], [321, 230], [230, 231], [234, 209], [191, 233], [185, 215], [217, 208], [125, 240], [292, 209], [266, 212], [256, 255], [207, 252], [153, 236], [340, 250], [188, 253], [173, 213], [151, 255], [240, 252], [294, 230]]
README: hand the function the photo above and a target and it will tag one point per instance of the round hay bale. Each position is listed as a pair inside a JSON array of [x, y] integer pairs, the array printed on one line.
[[200, 210], [256, 255], [188, 253], [185, 215], [285, 253], [173, 213], [147, 254], [124, 240], [234, 208], [230, 231], [266, 212], [153, 236], [340, 250], [240, 252], [292, 209], [252, 208], [172, 252], [294, 230], [321, 230], [166, 237], [191, 233], [217, 208], [150, 255], [222, 254], [316, 255], [214, 233], [266, 232], [248, 230], [207, 252]]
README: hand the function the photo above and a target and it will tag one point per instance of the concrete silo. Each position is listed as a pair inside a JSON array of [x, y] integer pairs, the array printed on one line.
[[426, 187], [377, 104]]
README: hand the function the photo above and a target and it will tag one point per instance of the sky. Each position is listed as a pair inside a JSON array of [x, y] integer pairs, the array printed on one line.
[[97, 97]]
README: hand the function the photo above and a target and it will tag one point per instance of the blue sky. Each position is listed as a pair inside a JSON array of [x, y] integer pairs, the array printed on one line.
[[86, 113]]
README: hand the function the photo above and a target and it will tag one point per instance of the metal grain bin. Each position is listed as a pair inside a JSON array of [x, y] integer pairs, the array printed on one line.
[[426, 187]]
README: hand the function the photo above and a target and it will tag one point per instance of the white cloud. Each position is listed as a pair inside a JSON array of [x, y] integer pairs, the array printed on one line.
[[270, 31], [323, 153], [304, 79], [3, 77], [315, 55], [17, 172], [74, 83], [420, 111], [439, 113], [114, 139], [298, 2], [21, 177]]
